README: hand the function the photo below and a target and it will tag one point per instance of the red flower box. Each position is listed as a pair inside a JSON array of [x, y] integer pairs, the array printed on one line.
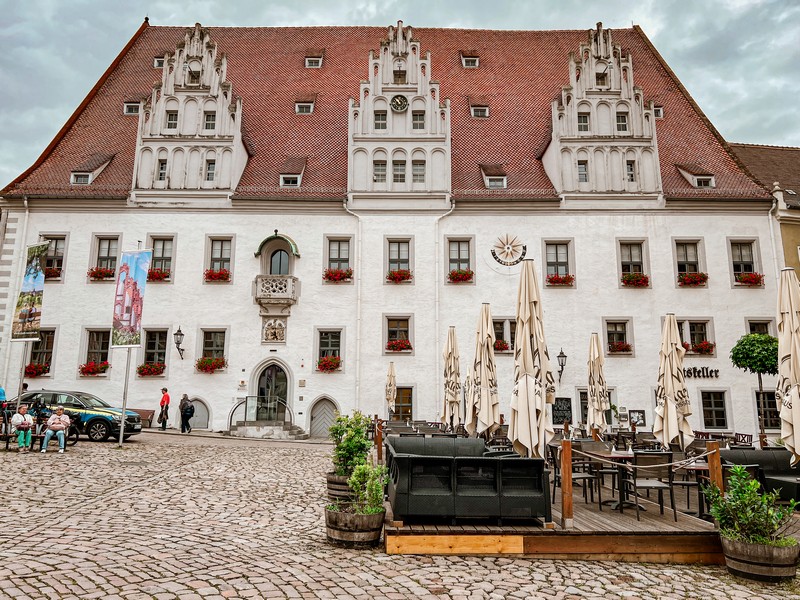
[[52, 272], [399, 275], [460, 275], [398, 345], [692, 279], [753, 279], [501, 346], [93, 368], [217, 275], [329, 364], [704, 347], [158, 274], [98, 273], [555, 279], [36, 369], [686, 346], [209, 365], [617, 347], [337, 275], [150, 369], [639, 280]]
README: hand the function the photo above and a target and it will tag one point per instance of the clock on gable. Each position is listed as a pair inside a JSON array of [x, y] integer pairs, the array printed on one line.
[[399, 103]]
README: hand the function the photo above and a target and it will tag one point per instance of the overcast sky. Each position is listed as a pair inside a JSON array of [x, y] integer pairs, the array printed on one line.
[[738, 58]]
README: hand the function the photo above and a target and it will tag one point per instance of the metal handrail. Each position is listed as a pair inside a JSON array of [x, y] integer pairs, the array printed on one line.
[[275, 407]]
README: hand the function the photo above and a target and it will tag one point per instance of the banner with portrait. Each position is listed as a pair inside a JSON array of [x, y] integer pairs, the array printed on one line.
[[28, 310], [126, 330]]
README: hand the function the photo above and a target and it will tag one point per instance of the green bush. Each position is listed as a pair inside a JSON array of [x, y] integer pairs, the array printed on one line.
[[351, 443], [367, 483]]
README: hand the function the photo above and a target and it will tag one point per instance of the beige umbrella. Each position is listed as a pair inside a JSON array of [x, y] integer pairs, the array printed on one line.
[[391, 388], [483, 406], [530, 429], [787, 394], [598, 393], [672, 399], [452, 381]]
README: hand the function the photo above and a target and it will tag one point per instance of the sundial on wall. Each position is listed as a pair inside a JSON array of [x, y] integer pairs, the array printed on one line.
[[508, 250]]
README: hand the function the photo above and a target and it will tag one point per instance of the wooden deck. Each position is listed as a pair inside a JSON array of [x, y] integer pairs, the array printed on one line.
[[595, 535]]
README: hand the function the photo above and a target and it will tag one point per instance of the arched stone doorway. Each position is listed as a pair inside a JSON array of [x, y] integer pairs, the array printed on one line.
[[272, 392], [200, 419], [323, 414]]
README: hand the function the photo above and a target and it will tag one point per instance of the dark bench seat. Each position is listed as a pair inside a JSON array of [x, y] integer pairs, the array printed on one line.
[[146, 415], [776, 474]]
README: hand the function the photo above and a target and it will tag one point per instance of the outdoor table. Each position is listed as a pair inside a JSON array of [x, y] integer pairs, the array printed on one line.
[[700, 471], [621, 459]]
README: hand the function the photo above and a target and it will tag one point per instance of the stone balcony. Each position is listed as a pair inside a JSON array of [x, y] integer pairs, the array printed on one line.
[[276, 293]]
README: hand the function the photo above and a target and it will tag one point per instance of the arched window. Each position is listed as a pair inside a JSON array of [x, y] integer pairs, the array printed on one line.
[[279, 263]]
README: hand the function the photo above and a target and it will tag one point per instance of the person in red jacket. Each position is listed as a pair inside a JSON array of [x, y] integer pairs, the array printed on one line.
[[163, 416]]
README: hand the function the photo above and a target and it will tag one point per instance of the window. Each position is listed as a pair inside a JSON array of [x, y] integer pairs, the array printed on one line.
[[630, 170], [704, 182], [742, 255], [380, 119], [213, 344], [470, 62], [313, 62], [172, 119], [768, 414], [418, 119], [714, 410], [505, 329], [397, 329], [161, 175], [379, 171], [631, 255], [158, 62], [496, 183], [601, 79], [687, 257], [279, 263], [583, 121], [617, 333], [557, 257], [583, 171], [622, 121], [399, 171], [42, 350], [480, 112], [209, 121], [81, 178], [399, 257], [304, 108], [290, 181], [162, 254], [418, 171], [459, 255], [211, 166], [339, 254], [155, 347], [131, 108], [193, 77], [404, 404], [762, 327], [107, 252], [330, 343], [54, 259], [98, 345], [658, 112], [697, 331], [399, 76], [220, 255]]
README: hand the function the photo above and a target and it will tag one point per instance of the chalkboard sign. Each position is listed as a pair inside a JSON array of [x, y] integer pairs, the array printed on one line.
[[562, 411]]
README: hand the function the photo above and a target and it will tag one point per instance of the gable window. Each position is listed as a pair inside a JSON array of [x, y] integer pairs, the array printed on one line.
[[330, 343], [279, 263], [313, 62], [630, 170], [155, 346], [418, 171], [339, 254], [399, 171], [768, 414], [658, 112], [220, 254], [290, 181], [107, 252], [42, 349], [97, 347], [172, 119], [505, 330], [404, 404], [162, 254], [703, 182], [399, 255], [622, 121], [583, 171], [601, 79], [631, 257], [213, 344], [742, 255], [418, 119], [379, 171], [211, 166], [131, 108], [583, 121], [161, 175], [380, 119], [54, 259], [557, 257], [399, 76], [81, 178], [715, 414], [209, 121], [480, 112], [304, 108], [459, 255], [193, 77], [687, 254]]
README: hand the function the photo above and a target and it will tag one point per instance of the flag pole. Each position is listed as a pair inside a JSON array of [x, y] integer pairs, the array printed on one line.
[[125, 398], [22, 372]]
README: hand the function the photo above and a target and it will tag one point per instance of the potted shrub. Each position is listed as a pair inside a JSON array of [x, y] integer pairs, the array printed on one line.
[[217, 275], [692, 279], [100, 273], [639, 280], [398, 345], [704, 347], [753, 529], [501, 346], [399, 275], [460, 275], [619, 347], [351, 445], [358, 524], [329, 364], [750, 279], [150, 369], [52, 272], [206, 364], [92, 368], [555, 279], [36, 369], [337, 275], [158, 274]]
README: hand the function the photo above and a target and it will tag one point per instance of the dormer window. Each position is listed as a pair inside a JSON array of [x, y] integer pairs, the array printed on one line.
[[172, 119], [304, 108], [704, 182], [313, 62], [86, 172], [480, 112], [494, 177], [470, 62], [496, 183], [292, 171], [290, 181], [81, 178], [698, 176], [158, 62], [131, 108]]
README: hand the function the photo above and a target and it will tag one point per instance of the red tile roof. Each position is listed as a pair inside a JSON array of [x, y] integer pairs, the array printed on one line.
[[771, 164], [520, 73]]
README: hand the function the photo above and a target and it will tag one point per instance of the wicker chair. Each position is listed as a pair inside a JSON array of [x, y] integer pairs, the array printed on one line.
[[657, 475]]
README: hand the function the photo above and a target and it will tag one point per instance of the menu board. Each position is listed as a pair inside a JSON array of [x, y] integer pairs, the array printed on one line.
[[562, 411]]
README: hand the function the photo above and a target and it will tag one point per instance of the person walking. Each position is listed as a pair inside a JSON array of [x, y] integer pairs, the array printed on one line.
[[22, 425], [163, 416], [57, 425], [187, 412]]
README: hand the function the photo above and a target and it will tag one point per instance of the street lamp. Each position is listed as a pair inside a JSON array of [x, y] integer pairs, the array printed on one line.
[[178, 337], [562, 362]]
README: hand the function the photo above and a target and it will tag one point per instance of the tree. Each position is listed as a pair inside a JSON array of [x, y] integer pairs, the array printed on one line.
[[757, 353]]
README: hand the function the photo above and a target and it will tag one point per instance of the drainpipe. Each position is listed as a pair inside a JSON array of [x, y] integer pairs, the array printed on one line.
[[437, 258], [12, 298], [772, 215], [359, 277]]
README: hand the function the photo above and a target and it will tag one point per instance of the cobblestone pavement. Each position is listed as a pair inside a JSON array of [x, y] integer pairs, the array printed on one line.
[[189, 517]]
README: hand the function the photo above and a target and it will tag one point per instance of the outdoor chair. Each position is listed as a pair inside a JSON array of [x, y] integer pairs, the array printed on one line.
[[599, 468], [743, 438], [684, 479], [651, 471], [582, 474]]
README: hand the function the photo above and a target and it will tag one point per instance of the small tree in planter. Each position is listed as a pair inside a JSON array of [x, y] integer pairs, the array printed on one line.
[[751, 279], [692, 279], [351, 445], [555, 279], [757, 353], [753, 529], [358, 524], [150, 369], [460, 275], [398, 345], [399, 275], [501, 346], [206, 364], [639, 280], [329, 364], [36, 369], [337, 275], [99, 273]]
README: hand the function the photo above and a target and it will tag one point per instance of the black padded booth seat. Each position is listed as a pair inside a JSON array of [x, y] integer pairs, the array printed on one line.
[[457, 478], [774, 466]]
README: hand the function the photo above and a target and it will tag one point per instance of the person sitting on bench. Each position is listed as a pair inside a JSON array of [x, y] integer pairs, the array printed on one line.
[[58, 425]]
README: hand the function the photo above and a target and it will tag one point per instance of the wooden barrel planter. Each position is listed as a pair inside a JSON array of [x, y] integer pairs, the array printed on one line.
[[353, 531], [760, 562], [338, 490]]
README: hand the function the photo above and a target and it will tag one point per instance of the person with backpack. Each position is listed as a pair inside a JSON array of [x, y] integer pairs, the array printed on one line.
[[187, 412]]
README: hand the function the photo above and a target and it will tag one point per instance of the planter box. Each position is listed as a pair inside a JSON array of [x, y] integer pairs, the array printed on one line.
[[353, 531], [760, 562]]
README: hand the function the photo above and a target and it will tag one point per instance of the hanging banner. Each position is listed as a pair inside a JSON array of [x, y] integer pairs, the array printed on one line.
[[129, 298], [28, 312]]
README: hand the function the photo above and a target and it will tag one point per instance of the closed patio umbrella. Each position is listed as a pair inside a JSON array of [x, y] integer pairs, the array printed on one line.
[[483, 406], [391, 388], [787, 394], [598, 393], [530, 429], [451, 415], [672, 399]]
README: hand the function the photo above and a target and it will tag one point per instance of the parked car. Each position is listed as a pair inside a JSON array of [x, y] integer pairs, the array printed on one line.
[[97, 419]]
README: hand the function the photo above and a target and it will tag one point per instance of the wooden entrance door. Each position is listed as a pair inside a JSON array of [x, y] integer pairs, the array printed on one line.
[[322, 417]]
